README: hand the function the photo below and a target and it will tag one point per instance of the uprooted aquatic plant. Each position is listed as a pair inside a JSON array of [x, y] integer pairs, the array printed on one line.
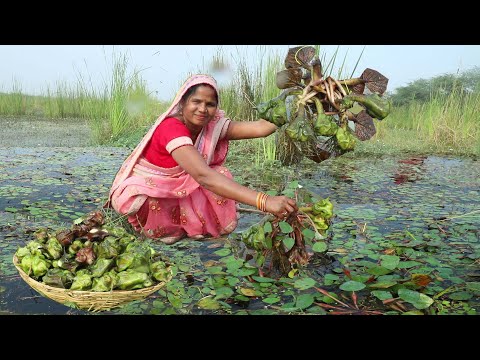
[[283, 245], [315, 113]]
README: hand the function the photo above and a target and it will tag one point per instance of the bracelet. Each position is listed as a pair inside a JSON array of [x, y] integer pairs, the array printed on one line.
[[261, 201], [264, 203], [259, 195]]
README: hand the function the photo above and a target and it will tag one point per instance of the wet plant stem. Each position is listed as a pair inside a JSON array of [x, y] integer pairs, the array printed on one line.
[[450, 289]]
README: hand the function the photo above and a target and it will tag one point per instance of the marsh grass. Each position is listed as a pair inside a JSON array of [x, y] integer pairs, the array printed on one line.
[[15, 103], [448, 123], [123, 110]]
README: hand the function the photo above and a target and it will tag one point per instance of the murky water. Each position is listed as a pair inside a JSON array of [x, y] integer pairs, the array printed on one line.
[[385, 197]]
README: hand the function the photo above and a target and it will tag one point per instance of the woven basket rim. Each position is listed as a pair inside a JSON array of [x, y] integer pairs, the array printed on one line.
[[89, 300]]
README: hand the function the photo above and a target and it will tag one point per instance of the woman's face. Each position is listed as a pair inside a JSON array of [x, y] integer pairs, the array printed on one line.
[[200, 107]]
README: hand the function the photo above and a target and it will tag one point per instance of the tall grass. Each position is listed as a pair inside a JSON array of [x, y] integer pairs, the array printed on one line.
[[446, 123], [123, 110], [253, 85], [131, 110], [14, 103], [64, 101], [269, 91], [120, 112]]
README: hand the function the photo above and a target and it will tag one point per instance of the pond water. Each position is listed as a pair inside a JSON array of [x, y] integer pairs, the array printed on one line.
[[430, 203]]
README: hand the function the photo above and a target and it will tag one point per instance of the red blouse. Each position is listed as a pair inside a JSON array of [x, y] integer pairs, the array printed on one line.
[[168, 136]]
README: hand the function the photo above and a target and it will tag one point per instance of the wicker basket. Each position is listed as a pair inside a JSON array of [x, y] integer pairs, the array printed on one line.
[[89, 300]]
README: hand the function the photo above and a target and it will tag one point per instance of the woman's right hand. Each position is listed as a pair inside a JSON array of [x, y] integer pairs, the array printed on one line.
[[281, 206]]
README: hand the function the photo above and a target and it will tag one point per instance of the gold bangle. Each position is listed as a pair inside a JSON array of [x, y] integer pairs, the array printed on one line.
[[264, 203], [258, 201]]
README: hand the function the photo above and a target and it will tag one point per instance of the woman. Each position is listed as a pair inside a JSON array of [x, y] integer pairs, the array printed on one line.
[[174, 183]]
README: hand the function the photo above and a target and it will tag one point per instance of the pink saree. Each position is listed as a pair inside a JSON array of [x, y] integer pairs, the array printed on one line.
[[167, 203]]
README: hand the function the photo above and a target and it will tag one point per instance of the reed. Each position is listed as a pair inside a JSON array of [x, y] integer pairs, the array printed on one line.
[[446, 123], [123, 110], [14, 103]]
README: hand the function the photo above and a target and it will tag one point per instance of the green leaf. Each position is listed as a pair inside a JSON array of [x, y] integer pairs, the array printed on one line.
[[320, 246], [289, 307], [223, 252], [242, 298], [352, 286], [360, 277], [223, 292], [285, 227], [271, 300], [474, 286], [247, 291], [10, 209], [331, 277], [382, 295], [259, 259], [304, 301], [183, 267], [234, 264], [267, 227], [215, 270], [389, 261], [460, 295], [304, 283], [175, 301], [261, 279], [378, 270], [209, 304], [268, 242], [308, 234], [78, 221], [419, 300], [382, 284], [293, 185], [244, 272], [232, 280], [288, 242], [408, 264]]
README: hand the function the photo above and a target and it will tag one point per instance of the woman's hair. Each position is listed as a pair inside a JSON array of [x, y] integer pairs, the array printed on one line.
[[191, 90]]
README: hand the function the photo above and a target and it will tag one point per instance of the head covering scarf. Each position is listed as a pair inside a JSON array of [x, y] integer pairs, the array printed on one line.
[[169, 203], [132, 159]]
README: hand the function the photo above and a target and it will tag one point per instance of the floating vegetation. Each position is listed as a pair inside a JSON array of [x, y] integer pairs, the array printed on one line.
[[385, 237]]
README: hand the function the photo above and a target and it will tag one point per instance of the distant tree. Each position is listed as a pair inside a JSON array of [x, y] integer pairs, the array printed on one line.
[[471, 79], [422, 89]]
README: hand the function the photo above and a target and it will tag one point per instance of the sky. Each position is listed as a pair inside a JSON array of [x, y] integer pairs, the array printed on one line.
[[35, 68]]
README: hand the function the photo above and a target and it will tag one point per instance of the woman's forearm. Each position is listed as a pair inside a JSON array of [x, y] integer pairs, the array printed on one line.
[[193, 163], [266, 127], [280, 205], [224, 186], [239, 130]]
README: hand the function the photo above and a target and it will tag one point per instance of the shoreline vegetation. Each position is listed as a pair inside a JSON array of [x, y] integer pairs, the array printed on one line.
[[436, 116], [429, 222]]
